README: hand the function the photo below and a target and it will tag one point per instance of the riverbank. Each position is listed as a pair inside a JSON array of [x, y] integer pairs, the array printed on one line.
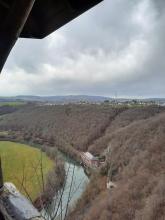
[[69, 190], [75, 185]]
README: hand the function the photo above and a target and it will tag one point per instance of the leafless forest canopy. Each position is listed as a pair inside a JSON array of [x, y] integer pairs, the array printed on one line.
[[135, 137]]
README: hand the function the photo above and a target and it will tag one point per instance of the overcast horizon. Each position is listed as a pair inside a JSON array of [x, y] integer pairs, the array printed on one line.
[[108, 97], [115, 49]]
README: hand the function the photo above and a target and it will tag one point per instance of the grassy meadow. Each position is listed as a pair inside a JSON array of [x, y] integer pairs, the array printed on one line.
[[22, 166], [12, 104]]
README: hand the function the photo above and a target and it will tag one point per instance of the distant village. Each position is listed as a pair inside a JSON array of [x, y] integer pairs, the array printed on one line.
[[81, 100], [113, 102]]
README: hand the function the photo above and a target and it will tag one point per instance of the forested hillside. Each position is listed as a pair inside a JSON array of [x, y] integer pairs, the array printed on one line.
[[83, 127], [136, 160], [66, 126], [6, 109]]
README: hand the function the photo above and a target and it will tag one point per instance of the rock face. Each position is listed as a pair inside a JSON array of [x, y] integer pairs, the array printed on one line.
[[13, 205]]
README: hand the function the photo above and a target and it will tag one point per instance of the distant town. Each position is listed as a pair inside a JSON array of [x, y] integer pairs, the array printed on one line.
[[82, 100]]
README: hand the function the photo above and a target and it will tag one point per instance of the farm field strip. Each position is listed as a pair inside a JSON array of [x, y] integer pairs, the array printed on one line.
[[21, 165]]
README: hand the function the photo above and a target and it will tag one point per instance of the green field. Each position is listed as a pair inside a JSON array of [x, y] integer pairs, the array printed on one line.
[[13, 104], [22, 166]]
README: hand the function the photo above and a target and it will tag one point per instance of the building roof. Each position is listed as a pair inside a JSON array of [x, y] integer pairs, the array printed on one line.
[[90, 156]]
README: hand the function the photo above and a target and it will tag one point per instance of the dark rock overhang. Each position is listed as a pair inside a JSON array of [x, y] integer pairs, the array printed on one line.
[[35, 19]]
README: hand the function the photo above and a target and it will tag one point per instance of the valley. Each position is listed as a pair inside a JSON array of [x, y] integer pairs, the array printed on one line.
[[130, 138]]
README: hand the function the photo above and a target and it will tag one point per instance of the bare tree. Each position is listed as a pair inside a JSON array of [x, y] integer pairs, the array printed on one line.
[[53, 190]]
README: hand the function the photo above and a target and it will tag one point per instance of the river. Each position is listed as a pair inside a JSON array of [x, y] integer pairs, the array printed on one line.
[[76, 182]]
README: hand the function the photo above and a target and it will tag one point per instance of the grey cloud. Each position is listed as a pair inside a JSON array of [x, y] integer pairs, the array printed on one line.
[[116, 47]]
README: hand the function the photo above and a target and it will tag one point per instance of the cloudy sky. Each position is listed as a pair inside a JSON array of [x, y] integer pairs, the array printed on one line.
[[116, 48]]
